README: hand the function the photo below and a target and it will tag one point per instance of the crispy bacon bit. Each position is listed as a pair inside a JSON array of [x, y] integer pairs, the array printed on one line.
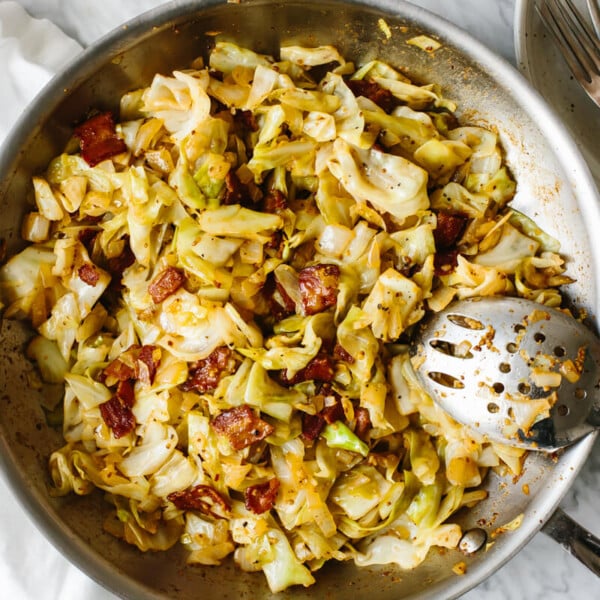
[[312, 425], [235, 191], [118, 264], [320, 368], [333, 412], [374, 92], [125, 392], [279, 302], [205, 374], [148, 361], [118, 416], [122, 368], [137, 362], [274, 201], [448, 230], [87, 237], [261, 497], [98, 139], [318, 287], [202, 498], [167, 282], [363, 422], [340, 353], [246, 119], [241, 426], [445, 262], [89, 274], [447, 233]]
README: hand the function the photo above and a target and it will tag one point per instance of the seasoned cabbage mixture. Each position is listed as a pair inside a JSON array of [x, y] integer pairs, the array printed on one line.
[[226, 276]]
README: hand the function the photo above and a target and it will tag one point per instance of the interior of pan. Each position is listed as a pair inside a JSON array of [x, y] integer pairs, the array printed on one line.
[[553, 187]]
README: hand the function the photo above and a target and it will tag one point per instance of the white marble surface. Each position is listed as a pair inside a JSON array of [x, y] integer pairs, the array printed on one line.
[[541, 571]]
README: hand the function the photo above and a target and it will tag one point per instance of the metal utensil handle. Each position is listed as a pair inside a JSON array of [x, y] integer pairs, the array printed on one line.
[[575, 539], [594, 7]]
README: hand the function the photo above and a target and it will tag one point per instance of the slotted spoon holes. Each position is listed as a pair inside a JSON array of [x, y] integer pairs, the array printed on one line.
[[460, 350], [466, 322], [446, 380]]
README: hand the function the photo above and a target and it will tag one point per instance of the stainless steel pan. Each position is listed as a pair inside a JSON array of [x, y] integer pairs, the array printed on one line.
[[554, 187]]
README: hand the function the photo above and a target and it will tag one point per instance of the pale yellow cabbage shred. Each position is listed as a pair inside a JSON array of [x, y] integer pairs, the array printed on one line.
[[363, 190]]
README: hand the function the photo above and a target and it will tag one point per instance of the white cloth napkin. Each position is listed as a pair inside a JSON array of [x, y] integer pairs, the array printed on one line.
[[31, 52]]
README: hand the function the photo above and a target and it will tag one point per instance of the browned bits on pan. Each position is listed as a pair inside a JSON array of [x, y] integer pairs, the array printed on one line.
[[165, 284], [205, 374], [318, 287], [202, 498], [241, 426], [260, 498], [98, 139]]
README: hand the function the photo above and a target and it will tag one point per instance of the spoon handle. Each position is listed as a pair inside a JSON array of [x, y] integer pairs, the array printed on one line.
[[594, 8], [579, 542]]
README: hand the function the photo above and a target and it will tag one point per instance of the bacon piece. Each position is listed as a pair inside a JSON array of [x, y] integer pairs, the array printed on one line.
[[87, 237], [318, 287], [374, 92], [241, 426], [117, 416], [165, 284], [98, 139], [122, 368], [445, 261], [363, 422], [260, 498], [312, 425], [206, 373], [125, 392], [148, 361], [333, 412], [340, 353], [202, 498], [274, 201], [118, 264], [279, 302], [246, 119], [137, 362], [89, 274], [320, 368], [448, 230], [236, 192]]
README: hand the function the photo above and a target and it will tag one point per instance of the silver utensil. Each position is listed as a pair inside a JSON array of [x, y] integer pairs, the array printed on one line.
[[497, 364], [594, 8], [579, 45]]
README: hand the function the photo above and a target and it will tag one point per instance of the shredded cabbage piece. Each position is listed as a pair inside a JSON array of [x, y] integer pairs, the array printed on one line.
[[230, 302]]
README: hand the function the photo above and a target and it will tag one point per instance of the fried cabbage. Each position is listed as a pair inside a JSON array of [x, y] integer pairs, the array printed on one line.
[[229, 304]]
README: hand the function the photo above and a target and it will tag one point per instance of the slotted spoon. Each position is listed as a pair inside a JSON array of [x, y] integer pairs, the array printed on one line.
[[519, 372]]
